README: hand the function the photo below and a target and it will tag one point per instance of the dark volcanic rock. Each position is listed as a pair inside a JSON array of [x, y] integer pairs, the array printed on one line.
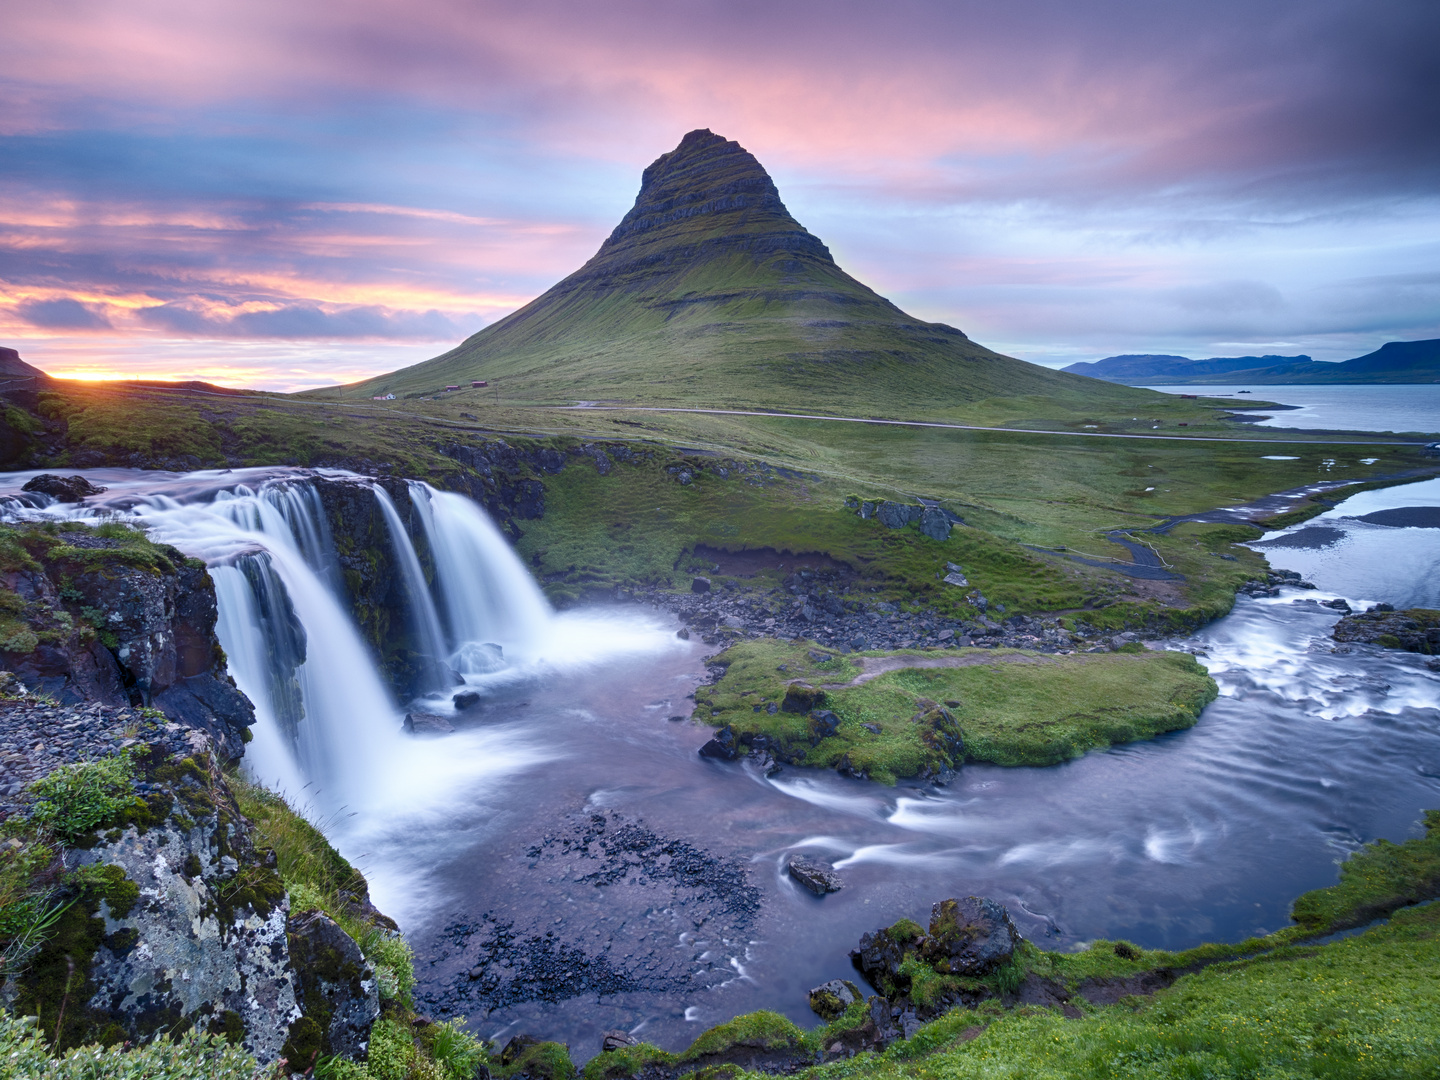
[[1414, 630], [335, 986], [802, 698], [617, 1040], [466, 699], [517, 1045], [815, 874], [880, 954], [969, 936], [374, 582], [831, 999], [700, 585], [63, 488], [724, 746], [156, 645], [935, 523], [609, 929], [824, 723], [897, 515]]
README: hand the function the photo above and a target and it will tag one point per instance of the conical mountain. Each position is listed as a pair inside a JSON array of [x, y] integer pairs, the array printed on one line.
[[708, 293]]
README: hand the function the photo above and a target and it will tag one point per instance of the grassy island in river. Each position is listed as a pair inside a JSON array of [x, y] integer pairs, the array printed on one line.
[[892, 716]]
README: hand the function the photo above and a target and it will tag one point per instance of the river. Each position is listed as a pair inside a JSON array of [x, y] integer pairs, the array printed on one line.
[[566, 863]]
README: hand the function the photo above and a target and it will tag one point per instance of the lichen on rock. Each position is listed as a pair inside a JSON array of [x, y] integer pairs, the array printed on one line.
[[203, 936]]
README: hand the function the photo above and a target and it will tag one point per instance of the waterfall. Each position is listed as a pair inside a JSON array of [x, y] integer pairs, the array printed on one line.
[[256, 645], [325, 719], [486, 593], [423, 617]]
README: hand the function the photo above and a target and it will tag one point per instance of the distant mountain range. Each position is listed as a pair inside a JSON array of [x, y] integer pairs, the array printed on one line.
[[1393, 362]]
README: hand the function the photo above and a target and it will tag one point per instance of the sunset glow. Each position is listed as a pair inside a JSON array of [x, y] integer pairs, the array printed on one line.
[[232, 187]]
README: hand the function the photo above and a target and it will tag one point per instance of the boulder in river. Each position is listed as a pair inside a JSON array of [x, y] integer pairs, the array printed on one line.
[[517, 1046], [831, 999], [881, 952], [419, 723], [968, 936], [815, 874], [63, 488], [972, 935], [723, 747], [617, 1040], [466, 699], [1414, 630]]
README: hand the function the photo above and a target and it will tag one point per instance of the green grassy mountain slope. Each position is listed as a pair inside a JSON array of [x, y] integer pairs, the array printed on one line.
[[708, 293]]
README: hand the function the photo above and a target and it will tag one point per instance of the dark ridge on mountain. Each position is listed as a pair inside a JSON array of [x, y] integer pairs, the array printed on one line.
[[709, 292], [1420, 357], [12, 367], [1393, 362]]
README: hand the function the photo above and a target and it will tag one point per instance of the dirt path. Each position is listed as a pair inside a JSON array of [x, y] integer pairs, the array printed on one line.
[[872, 667]]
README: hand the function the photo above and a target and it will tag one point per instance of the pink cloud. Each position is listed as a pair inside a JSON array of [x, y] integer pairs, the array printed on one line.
[[853, 88]]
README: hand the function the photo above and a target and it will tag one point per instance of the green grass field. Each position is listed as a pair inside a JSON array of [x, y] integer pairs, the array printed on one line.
[[637, 526]]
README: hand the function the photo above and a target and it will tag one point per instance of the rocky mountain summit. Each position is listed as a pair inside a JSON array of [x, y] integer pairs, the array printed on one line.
[[707, 199], [709, 286]]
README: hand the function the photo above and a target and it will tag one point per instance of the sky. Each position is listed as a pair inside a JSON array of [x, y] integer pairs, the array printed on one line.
[[294, 193]]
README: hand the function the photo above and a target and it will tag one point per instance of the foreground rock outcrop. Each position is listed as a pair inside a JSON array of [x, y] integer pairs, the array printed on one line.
[[104, 616], [1414, 630], [970, 936], [146, 903]]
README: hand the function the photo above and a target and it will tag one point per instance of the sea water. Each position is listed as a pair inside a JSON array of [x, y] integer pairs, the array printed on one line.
[[1403, 408]]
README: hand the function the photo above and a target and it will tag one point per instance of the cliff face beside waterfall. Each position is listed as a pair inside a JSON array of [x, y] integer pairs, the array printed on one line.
[[105, 616], [170, 910]]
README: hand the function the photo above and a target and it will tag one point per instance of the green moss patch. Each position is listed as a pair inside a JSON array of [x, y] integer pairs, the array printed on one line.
[[1363, 1008], [75, 799], [1375, 881], [1005, 706]]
